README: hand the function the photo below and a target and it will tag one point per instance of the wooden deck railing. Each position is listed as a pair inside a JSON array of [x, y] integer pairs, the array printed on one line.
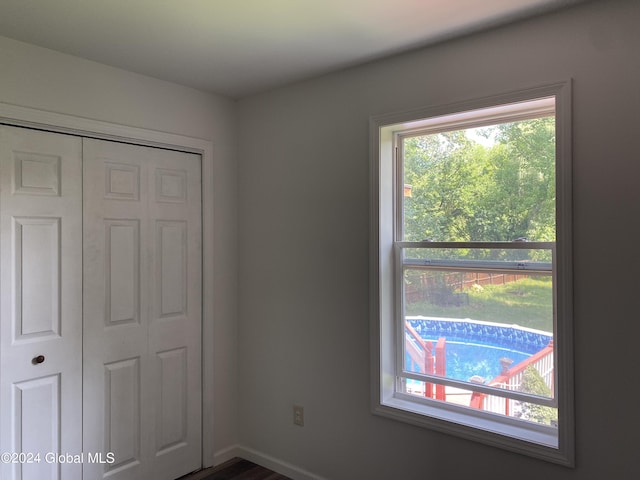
[[511, 379], [420, 352], [441, 368]]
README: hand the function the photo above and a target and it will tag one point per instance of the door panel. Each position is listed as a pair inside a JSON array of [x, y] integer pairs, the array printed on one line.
[[122, 413], [38, 423], [171, 273], [172, 409], [37, 259], [122, 256], [142, 298], [41, 301]]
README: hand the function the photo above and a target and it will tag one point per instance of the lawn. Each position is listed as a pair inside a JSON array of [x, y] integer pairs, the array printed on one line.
[[527, 302]]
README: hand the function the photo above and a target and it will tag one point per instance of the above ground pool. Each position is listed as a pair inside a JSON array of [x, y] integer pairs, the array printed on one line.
[[475, 348]]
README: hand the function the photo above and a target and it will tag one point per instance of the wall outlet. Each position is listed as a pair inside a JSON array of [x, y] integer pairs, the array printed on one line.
[[298, 415]]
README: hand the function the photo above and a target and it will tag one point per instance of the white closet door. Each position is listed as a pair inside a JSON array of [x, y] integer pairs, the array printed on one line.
[[41, 303], [142, 301]]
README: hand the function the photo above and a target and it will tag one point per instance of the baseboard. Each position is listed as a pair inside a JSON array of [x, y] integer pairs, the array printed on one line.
[[225, 455], [267, 461]]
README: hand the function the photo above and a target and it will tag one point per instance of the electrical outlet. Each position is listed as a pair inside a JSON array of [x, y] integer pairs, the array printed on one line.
[[298, 415]]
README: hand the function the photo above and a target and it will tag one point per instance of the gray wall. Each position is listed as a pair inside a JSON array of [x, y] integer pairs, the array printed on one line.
[[43, 79], [303, 229]]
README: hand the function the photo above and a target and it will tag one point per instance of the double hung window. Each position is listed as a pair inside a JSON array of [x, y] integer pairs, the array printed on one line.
[[471, 284]]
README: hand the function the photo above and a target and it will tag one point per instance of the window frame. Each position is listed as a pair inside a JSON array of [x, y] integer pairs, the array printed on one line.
[[551, 444]]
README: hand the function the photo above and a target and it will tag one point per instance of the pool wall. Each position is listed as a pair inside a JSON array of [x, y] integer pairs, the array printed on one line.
[[511, 337]]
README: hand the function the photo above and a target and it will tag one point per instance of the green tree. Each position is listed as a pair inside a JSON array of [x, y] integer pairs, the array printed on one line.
[[522, 197], [438, 167], [464, 190]]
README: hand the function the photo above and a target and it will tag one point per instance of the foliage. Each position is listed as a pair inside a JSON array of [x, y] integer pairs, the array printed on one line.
[[498, 190], [532, 382]]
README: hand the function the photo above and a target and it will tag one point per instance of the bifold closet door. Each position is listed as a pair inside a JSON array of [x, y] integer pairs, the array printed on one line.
[[142, 311], [41, 304]]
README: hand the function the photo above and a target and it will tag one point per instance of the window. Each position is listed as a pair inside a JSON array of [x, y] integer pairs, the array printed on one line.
[[471, 270]]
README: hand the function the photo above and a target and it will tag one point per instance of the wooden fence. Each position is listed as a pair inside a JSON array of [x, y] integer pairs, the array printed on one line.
[[449, 288]]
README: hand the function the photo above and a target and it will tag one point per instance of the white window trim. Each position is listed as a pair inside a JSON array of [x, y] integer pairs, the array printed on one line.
[[554, 445]]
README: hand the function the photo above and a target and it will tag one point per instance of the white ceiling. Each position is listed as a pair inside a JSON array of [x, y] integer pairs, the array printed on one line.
[[240, 47]]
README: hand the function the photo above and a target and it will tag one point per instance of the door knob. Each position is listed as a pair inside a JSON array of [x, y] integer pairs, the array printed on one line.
[[37, 360]]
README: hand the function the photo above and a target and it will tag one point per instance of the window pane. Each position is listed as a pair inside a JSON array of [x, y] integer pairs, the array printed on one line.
[[502, 298], [482, 327], [494, 183]]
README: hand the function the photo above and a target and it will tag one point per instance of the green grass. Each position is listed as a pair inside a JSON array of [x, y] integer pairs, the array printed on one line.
[[526, 302]]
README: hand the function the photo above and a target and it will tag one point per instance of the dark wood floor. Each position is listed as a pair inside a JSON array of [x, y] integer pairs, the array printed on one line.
[[237, 469]]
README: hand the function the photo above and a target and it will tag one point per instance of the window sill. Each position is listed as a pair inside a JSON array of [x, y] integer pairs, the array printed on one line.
[[532, 440]]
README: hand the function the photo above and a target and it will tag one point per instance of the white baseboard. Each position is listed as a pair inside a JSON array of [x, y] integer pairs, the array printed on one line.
[[225, 454], [267, 461]]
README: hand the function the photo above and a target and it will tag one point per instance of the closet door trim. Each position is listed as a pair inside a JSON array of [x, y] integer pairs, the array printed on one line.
[[61, 123]]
